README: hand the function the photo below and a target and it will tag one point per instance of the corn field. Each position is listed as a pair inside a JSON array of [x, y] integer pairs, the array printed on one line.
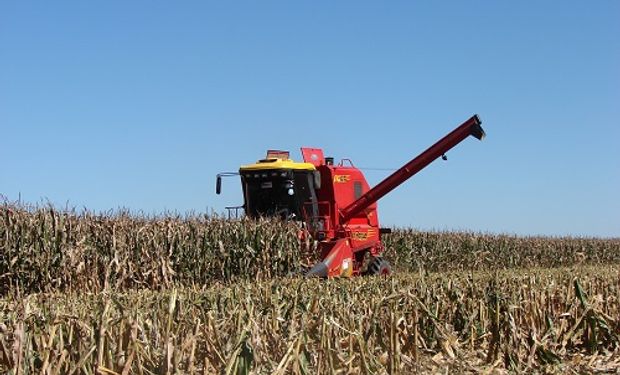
[[48, 250], [85, 293], [45, 250]]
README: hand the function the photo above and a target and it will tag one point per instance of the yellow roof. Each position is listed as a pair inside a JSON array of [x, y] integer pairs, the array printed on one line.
[[277, 164]]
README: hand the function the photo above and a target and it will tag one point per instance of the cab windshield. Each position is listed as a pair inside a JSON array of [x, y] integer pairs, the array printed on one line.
[[276, 193]]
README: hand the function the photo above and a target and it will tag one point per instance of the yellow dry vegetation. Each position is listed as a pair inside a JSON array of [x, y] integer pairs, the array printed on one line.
[[121, 294]]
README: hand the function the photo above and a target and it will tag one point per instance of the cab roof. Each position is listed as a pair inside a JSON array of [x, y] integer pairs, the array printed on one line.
[[277, 163]]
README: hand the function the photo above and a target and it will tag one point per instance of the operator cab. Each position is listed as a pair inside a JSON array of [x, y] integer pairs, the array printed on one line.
[[278, 187]]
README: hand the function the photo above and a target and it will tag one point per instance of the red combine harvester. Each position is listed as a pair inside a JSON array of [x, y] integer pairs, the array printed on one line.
[[334, 201]]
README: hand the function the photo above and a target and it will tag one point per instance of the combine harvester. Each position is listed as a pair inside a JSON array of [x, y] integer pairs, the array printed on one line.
[[334, 201]]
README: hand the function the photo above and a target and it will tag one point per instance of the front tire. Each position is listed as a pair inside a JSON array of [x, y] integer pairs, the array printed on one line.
[[378, 266]]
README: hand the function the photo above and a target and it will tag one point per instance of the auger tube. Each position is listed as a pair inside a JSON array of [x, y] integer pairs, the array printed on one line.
[[470, 127]]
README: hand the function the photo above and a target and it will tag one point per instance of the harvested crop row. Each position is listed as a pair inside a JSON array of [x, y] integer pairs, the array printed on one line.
[[43, 249], [519, 320]]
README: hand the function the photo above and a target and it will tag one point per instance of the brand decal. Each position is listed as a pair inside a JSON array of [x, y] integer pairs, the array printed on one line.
[[363, 235], [341, 178], [360, 236]]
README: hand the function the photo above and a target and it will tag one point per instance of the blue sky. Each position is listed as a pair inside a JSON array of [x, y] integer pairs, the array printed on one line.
[[139, 104]]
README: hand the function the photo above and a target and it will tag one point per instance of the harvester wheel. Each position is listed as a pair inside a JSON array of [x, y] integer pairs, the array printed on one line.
[[378, 266]]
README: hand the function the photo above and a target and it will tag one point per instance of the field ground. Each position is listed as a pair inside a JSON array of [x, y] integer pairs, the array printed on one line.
[[84, 293], [543, 320]]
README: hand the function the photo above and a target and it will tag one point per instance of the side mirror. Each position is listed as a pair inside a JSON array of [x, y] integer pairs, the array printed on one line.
[[218, 181], [218, 184]]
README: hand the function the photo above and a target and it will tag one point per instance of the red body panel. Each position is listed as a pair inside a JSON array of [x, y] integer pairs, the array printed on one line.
[[313, 156], [341, 186]]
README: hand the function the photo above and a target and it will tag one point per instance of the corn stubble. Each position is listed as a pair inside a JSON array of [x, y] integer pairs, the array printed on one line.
[[547, 320], [120, 294]]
